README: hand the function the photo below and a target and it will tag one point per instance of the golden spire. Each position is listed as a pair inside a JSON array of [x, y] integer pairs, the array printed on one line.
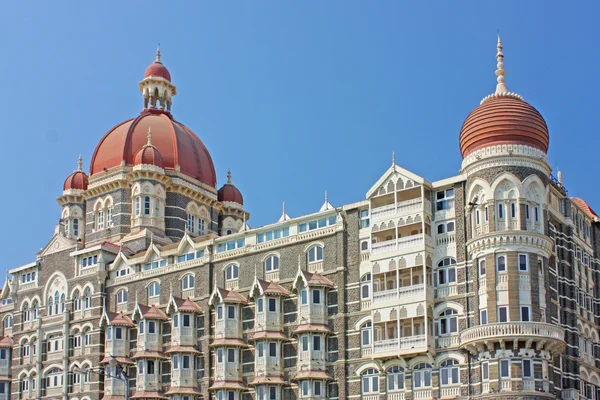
[[500, 72], [158, 53]]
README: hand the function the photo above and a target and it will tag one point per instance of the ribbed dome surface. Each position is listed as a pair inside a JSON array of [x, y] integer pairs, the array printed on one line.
[[157, 69], [230, 193], [177, 145], [503, 120], [77, 180], [149, 155]]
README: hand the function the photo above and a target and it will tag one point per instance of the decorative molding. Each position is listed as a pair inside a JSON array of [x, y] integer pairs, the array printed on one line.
[[505, 155]]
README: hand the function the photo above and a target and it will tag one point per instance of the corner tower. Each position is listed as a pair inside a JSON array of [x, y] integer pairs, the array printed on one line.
[[512, 330]]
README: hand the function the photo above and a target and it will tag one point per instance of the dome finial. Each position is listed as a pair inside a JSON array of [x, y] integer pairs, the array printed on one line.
[[80, 163], [158, 53], [149, 137], [500, 72], [229, 176]]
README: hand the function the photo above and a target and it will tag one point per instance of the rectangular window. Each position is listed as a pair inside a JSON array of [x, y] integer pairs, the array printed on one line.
[[185, 361], [317, 343], [527, 368], [536, 213], [260, 349], [501, 263], [513, 210], [527, 214], [304, 343], [118, 333], [523, 262], [151, 327], [444, 199], [316, 296], [304, 297], [219, 356], [483, 317], [364, 219], [231, 312], [147, 205], [272, 305], [317, 388], [477, 217], [500, 211], [272, 393], [272, 349], [485, 211], [503, 314], [525, 317], [305, 386], [230, 355], [482, 267], [259, 305], [504, 368], [176, 321], [219, 312], [485, 371], [141, 327]]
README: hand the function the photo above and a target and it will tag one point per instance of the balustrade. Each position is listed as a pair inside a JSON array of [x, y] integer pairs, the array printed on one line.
[[399, 208], [400, 243], [445, 291], [396, 396], [399, 344], [267, 321], [422, 394], [227, 328], [549, 335], [399, 293]]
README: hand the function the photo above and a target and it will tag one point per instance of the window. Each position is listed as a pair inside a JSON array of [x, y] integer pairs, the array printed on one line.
[[272, 263], [100, 224], [477, 217], [317, 224], [154, 289], [122, 296], [445, 228], [304, 341], [447, 274], [305, 386], [486, 213], [316, 296], [513, 210], [503, 314], [141, 328], [304, 296], [259, 305], [444, 200], [482, 267], [500, 211], [523, 262], [272, 305], [176, 361], [317, 343], [422, 375], [150, 367], [175, 321], [483, 317], [395, 379], [525, 315], [527, 214], [185, 361], [230, 355], [448, 322], [219, 355], [231, 245], [315, 253], [186, 320], [118, 333], [151, 326], [365, 286], [364, 246], [231, 312], [536, 213], [146, 205], [501, 263], [260, 349], [272, 349], [137, 206], [187, 282], [191, 224], [231, 272], [366, 333], [109, 220], [317, 388], [504, 368], [370, 381], [526, 368], [449, 373], [201, 226], [273, 235], [219, 312], [485, 371], [364, 219]]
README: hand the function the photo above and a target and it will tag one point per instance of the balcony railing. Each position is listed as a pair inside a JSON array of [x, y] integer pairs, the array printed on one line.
[[445, 291], [399, 293], [227, 370], [267, 321], [312, 313], [149, 341], [399, 344], [448, 392], [184, 335], [395, 209], [400, 243], [396, 396], [422, 394], [546, 333], [227, 328], [510, 225]]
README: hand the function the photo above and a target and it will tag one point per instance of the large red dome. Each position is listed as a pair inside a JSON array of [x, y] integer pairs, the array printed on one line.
[[177, 144], [500, 120]]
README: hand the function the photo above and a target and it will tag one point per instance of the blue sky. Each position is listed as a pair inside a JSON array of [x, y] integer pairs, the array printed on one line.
[[295, 97]]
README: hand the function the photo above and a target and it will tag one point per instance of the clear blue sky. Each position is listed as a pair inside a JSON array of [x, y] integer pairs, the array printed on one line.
[[295, 97]]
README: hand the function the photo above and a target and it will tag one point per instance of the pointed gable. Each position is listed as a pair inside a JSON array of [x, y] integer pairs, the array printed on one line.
[[395, 174], [147, 312], [116, 319], [262, 287], [226, 296], [311, 279], [177, 304], [57, 244]]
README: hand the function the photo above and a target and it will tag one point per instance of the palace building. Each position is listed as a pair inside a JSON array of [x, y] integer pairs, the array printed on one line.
[[154, 286]]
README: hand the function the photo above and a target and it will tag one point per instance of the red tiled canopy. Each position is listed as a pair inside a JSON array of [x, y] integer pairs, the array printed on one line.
[[503, 120]]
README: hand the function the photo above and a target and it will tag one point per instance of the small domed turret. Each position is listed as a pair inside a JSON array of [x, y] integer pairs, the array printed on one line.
[[230, 193], [149, 155], [78, 180]]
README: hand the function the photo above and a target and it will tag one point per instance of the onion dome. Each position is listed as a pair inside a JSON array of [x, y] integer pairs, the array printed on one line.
[[157, 69], [78, 180], [229, 193], [149, 155], [503, 118]]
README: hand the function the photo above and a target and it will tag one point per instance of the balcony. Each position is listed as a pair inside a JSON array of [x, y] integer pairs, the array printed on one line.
[[396, 396], [113, 386], [401, 243], [449, 392], [268, 366], [150, 342], [184, 336], [311, 360], [230, 371], [268, 321], [547, 336], [402, 294], [509, 225], [147, 382], [117, 347], [400, 346], [392, 210], [183, 377], [312, 313], [227, 328]]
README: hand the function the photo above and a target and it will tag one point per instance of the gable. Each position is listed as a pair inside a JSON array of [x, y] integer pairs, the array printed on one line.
[[57, 244]]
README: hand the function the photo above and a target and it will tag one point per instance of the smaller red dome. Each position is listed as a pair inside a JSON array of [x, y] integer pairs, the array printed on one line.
[[157, 69], [149, 155], [77, 180], [230, 193]]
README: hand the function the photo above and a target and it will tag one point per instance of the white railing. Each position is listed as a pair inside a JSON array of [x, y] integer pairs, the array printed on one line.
[[227, 328], [482, 285], [510, 225], [232, 284], [272, 275], [446, 392], [445, 291], [444, 342], [402, 292], [528, 384], [502, 282], [482, 229], [267, 321], [485, 387], [365, 304], [445, 239], [188, 293], [365, 256], [401, 243], [422, 394], [401, 207], [366, 351], [511, 330], [396, 396], [506, 386], [404, 343], [312, 312], [184, 335], [315, 266], [385, 295], [370, 397]]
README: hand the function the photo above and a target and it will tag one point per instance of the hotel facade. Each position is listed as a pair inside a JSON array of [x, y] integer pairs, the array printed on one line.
[[154, 286]]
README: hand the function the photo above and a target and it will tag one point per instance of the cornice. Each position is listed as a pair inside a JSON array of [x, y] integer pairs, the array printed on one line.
[[505, 155]]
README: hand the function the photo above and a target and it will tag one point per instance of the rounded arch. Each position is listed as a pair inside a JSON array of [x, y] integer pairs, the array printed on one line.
[[87, 325], [192, 207], [76, 289], [448, 304], [56, 282], [181, 276], [395, 362], [88, 286], [372, 364], [51, 367], [504, 183], [98, 204], [25, 302], [419, 360], [454, 355], [315, 243], [478, 188], [150, 282], [360, 322], [269, 254]]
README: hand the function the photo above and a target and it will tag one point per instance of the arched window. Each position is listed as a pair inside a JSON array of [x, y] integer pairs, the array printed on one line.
[[446, 262], [56, 302], [231, 272], [422, 375], [63, 300], [50, 305], [154, 289], [315, 254], [122, 296], [187, 282], [366, 334], [8, 322], [25, 313], [147, 207], [191, 224], [446, 271], [76, 301], [395, 379], [271, 264], [34, 308], [448, 322], [365, 286], [370, 381], [87, 299], [364, 246], [449, 373]]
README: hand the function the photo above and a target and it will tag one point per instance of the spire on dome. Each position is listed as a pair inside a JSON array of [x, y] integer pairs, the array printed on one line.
[[229, 176], [158, 53], [500, 72], [80, 163], [149, 137]]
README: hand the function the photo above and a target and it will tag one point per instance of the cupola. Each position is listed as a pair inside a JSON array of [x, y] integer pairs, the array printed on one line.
[[78, 180], [229, 193], [156, 87], [149, 155]]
